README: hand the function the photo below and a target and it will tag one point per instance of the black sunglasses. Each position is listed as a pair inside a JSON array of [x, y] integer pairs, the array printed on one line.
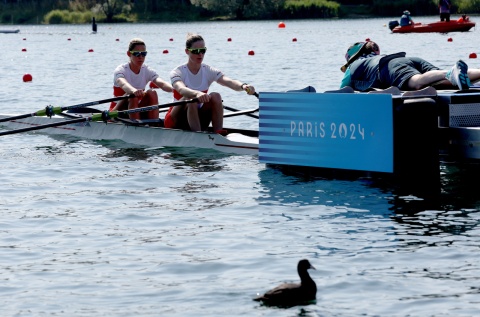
[[138, 53], [198, 51]]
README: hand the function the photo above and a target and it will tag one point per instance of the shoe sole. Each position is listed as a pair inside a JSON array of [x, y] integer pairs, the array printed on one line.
[[463, 80]]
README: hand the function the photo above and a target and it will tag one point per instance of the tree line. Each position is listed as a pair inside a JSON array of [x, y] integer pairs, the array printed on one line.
[[107, 11]]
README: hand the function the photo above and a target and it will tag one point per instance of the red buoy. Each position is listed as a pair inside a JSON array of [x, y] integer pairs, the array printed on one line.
[[69, 39], [117, 40], [229, 39], [450, 39], [294, 39], [90, 50], [171, 39], [281, 25], [27, 77], [24, 49], [251, 53], [473, 55], [165, 51]]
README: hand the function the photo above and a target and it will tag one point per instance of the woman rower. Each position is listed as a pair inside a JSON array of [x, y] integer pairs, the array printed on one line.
[[192, 80], [132, 77]]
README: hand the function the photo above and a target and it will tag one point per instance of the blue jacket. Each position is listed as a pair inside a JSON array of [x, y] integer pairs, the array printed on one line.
[[405, 20], [364, 74]]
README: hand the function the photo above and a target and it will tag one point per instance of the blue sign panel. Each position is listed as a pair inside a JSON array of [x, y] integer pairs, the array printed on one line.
[[344, 131]]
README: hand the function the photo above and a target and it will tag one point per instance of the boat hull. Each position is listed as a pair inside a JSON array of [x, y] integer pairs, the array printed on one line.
[[234, 143], [10, 31], [435, 27]]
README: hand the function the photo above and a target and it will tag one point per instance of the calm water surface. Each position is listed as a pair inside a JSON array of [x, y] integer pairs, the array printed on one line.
[[109, 229]]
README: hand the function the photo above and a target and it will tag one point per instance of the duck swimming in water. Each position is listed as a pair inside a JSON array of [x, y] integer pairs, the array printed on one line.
[[291, 294]]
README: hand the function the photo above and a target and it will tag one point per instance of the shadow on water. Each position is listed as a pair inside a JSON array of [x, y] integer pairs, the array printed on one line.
[[454, 210], [198, 160], [350, 197], [455, 191]]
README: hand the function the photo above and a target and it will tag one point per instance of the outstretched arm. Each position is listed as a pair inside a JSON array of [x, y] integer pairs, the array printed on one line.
[[236, 85], [163, 85]]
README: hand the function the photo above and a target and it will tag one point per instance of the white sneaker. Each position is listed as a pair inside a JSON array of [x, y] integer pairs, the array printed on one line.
[[458, 75]]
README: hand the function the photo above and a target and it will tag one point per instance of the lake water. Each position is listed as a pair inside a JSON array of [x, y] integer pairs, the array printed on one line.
[[110, 229]]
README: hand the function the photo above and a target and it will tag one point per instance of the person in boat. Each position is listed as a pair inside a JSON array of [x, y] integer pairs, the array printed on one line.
[[131, 79], [366, 69], [444, 6], [192, 80], [406, 19], [463, 18]]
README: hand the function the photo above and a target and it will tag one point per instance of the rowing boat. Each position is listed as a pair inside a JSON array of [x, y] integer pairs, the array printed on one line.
[[235, 142]]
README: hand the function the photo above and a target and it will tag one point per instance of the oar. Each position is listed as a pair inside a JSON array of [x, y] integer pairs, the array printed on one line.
[[240, 112], [50, 111], [104, 116]]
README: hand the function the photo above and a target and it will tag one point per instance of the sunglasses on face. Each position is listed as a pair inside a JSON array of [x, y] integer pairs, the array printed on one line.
[[138, 53], [197, 51]]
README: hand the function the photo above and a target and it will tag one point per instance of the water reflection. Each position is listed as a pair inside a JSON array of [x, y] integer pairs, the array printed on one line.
[[459, 185], [197, 160], [437, 223], [351, 198]]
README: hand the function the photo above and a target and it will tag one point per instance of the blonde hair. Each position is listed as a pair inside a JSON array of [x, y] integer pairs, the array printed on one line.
[[192, 38], [134, 42]]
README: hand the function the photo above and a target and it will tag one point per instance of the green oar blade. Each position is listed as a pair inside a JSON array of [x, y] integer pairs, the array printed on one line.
[[50, 111]]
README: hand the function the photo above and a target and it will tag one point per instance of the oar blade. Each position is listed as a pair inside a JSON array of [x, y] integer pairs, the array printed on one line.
[[50, 111]]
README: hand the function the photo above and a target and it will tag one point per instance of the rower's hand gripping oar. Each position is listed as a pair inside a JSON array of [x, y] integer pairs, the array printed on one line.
[[104, 116], [107, 115], [50, 111]]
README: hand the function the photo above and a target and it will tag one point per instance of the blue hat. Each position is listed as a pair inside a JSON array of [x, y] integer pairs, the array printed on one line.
[[353, 49]]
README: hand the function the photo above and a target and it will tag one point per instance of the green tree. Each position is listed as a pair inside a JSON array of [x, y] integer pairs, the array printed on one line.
[[468, 6], [242, 9], [111, 8]]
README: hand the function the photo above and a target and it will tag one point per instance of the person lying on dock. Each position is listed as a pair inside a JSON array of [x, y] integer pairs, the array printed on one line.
[[132, 77], [367, 70], [192, 80]]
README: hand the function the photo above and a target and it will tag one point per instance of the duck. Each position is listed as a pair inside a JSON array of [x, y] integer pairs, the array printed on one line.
[[292, 294]]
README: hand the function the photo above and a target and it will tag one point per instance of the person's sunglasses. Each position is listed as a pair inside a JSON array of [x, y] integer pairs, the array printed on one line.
[[198, 51], [138, 53]]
